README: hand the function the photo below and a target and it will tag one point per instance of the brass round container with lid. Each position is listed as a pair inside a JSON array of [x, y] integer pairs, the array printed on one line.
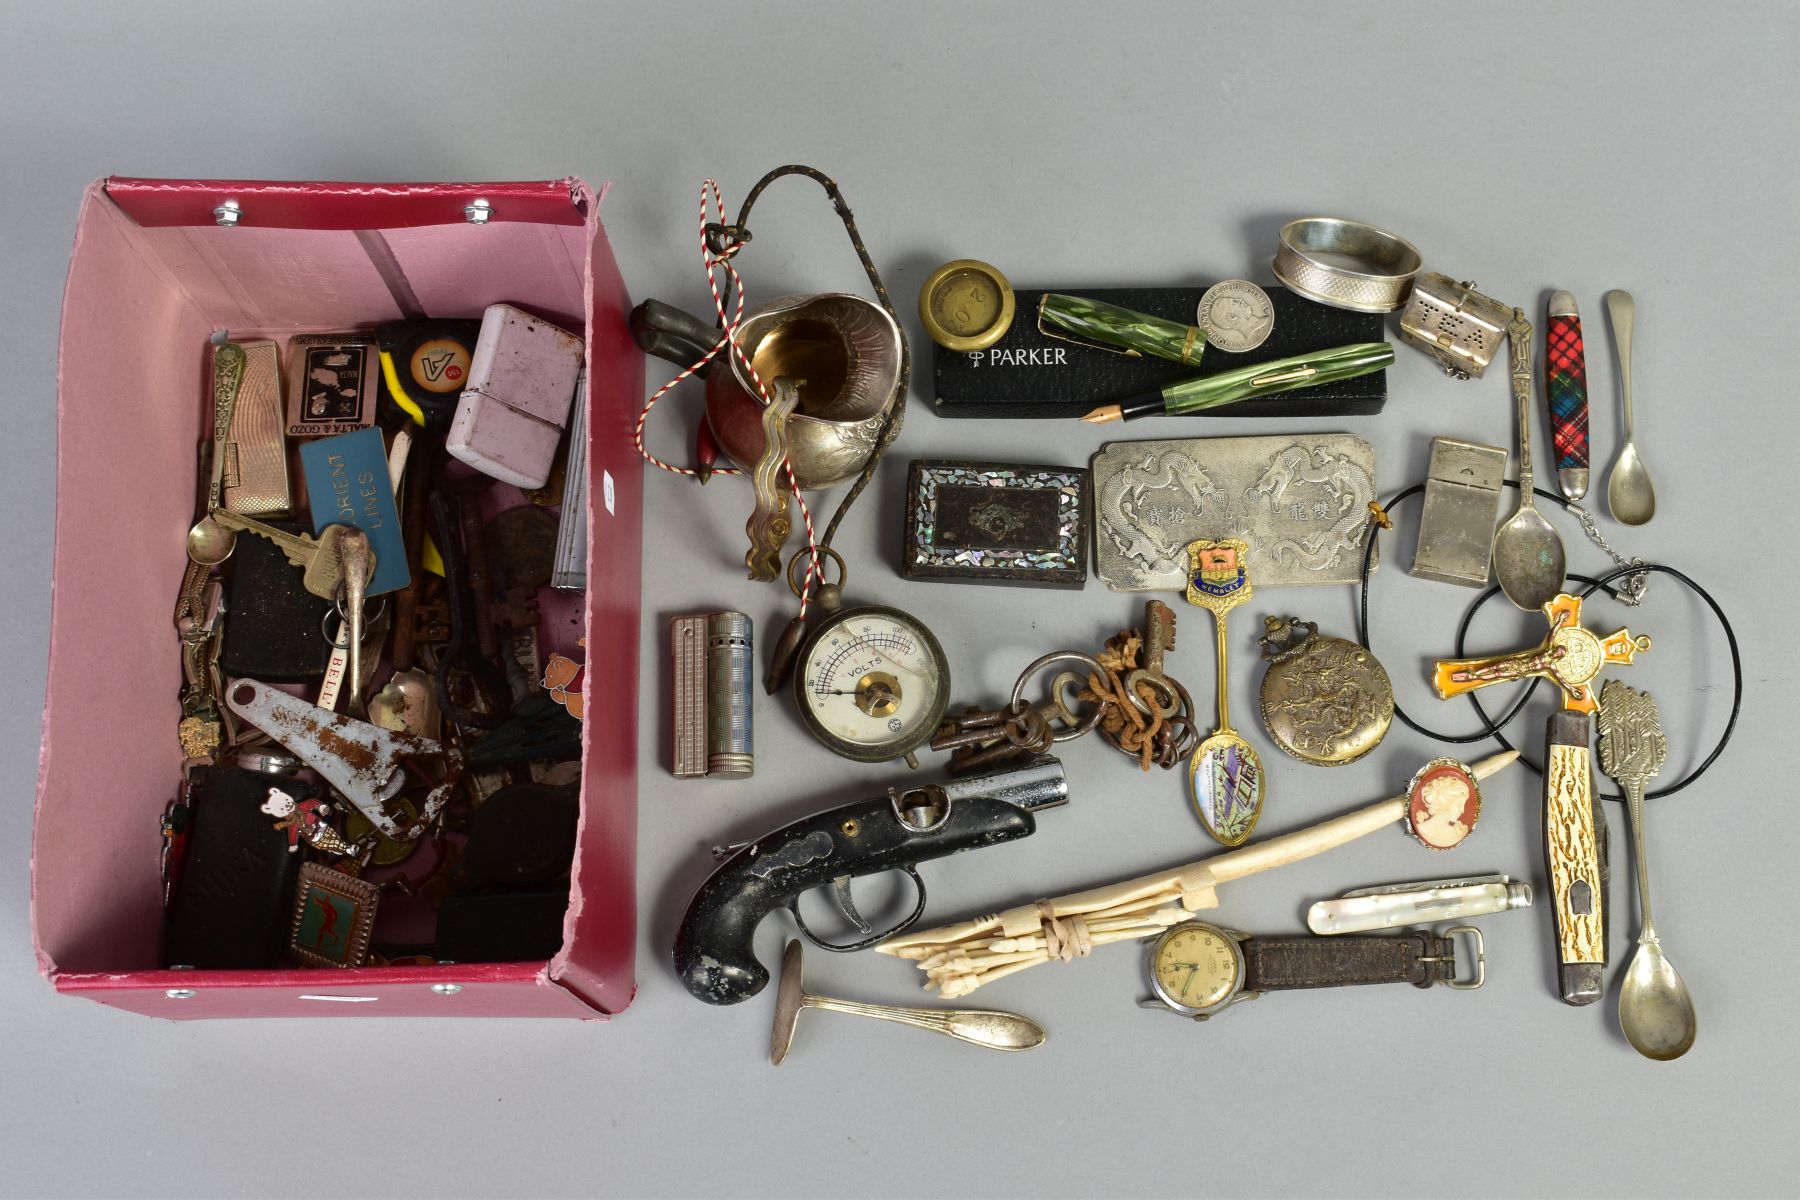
[[966, 305], [1325, 700]]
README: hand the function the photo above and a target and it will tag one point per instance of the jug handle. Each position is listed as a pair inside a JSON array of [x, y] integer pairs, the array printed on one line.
[[669, 333]]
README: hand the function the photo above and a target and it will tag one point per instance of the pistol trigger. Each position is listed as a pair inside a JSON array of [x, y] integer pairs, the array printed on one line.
[[840, 888], [841, 893]]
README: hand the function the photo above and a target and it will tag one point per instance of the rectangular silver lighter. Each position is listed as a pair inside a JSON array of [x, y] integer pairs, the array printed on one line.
[[687, 641], [1462, 501], [571, 531]]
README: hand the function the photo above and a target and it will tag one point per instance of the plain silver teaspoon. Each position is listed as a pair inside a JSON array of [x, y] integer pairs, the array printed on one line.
[[1629, 494]]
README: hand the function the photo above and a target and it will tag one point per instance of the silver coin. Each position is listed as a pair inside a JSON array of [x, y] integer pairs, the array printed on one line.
[[1236, 315]]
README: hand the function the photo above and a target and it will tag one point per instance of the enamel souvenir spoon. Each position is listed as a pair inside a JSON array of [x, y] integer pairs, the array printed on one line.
[[1225, 776]]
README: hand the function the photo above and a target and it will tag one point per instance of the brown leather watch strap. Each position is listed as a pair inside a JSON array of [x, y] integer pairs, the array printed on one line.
[[1420, 958]]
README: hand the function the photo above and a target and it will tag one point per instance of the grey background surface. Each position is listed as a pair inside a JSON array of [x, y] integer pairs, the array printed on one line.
[[1648, 146]]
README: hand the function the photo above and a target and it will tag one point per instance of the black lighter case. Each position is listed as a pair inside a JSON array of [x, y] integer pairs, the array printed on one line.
[[274, 627]]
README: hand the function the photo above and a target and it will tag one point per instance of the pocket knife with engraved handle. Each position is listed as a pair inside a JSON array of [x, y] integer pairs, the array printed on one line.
[[1570, 657]]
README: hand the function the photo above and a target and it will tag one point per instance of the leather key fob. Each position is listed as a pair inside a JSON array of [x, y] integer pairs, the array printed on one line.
[[501, 926], [522, 837]]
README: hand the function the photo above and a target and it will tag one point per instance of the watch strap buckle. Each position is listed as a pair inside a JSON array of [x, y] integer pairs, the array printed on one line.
[[1449, 980]]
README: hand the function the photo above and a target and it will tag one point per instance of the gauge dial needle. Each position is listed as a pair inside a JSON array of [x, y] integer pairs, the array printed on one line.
[[904, 670]]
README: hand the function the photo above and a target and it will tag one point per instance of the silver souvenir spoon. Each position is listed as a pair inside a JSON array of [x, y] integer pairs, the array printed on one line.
[[1528, 554], [1655, 1010], [208, 542]]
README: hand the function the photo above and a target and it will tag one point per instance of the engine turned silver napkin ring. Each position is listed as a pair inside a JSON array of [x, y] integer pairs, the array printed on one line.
[[1316, 258]]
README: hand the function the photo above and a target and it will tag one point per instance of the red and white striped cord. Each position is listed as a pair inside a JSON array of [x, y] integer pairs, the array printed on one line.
[[728, 334]]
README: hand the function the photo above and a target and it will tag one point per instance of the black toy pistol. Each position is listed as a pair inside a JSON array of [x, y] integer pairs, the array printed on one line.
[[714, 952]]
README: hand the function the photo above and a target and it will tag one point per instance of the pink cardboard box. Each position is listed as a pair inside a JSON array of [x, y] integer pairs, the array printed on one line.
[[153, 275]]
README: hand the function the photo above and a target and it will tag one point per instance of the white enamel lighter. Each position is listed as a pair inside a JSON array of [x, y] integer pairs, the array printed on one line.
[[522, 376]]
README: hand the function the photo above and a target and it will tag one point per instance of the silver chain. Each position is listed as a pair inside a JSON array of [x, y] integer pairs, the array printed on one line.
[[1632, 588]]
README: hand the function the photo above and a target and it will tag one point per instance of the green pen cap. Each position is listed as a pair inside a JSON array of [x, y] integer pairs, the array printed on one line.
[[1122, 330]]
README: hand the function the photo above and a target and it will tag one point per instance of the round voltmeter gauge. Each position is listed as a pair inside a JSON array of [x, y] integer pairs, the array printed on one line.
[[872, 683], [1196, 968]]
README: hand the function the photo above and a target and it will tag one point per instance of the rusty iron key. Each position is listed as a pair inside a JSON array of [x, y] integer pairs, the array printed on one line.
[[984, 737], [1159, 639]]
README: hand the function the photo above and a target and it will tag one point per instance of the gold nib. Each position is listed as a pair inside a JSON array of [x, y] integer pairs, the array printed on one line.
[[1104, 415]]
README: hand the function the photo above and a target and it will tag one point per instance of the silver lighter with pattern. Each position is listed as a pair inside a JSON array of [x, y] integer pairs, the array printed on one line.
[[730, 748], [256, 469]]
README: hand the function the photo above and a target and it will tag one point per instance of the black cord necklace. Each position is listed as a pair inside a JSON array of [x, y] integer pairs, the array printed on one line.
[[1492, 728]]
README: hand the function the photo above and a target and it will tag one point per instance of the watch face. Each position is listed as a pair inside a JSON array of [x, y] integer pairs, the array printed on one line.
[[1196, 967]]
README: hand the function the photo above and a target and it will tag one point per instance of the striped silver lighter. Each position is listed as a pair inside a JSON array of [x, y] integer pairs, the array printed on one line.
[[730, 747], [687, 643]]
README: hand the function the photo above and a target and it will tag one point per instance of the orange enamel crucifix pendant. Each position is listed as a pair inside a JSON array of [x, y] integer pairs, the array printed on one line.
[[1570, 657]]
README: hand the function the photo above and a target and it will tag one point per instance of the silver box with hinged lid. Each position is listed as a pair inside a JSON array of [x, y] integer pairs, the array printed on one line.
[[1455, 324]]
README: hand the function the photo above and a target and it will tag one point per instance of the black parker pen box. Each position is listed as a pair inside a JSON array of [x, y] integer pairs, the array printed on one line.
[[1028, 373]]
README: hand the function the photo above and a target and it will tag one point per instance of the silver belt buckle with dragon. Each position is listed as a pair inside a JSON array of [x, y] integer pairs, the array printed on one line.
[[1300, 501]]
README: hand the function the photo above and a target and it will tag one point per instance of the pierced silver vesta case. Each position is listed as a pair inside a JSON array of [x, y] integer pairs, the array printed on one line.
[[1455, 324]]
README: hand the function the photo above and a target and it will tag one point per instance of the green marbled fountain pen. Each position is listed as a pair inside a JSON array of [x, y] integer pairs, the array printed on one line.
[[1263, 379]]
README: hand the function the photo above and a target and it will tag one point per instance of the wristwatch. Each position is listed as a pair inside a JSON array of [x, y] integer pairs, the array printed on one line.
[[1197, 968]]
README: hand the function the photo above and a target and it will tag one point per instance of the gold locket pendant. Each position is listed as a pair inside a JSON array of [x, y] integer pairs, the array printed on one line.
[[1325, 700]]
